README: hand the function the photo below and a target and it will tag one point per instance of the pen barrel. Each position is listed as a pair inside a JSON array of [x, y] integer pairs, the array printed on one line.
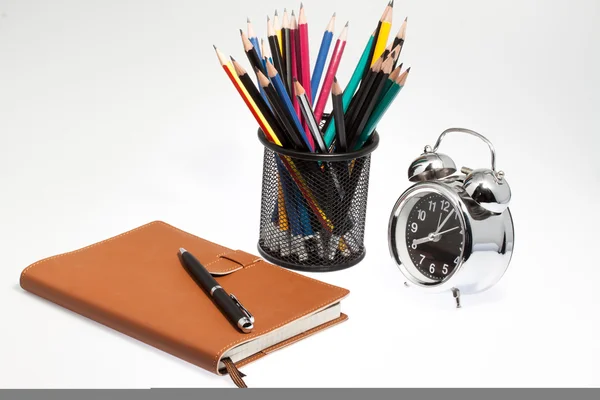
[[228, 307], [200, 274]]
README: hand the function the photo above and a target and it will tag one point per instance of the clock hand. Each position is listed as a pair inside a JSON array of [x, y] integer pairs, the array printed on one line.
[[431, 237], [439, 220], [449, 230], [445, 220]]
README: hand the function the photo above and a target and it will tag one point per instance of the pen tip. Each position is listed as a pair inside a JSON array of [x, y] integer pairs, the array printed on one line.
[[182, 250]]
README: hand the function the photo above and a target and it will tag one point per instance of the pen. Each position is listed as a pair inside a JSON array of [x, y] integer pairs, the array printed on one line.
[[227, 303]]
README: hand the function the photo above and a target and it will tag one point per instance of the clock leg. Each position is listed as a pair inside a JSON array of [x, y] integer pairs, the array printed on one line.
[[456, 294]]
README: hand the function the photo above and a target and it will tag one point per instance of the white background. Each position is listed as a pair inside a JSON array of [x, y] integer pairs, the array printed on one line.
[[117, 113]]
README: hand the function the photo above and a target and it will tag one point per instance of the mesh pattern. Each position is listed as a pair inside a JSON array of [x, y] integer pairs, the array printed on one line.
[[313, 212]]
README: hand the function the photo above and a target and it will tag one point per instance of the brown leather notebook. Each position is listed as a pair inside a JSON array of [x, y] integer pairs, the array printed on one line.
[[135, 284]]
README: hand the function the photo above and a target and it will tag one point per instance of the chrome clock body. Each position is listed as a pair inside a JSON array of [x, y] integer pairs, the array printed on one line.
[[480, 238], [488, 244]]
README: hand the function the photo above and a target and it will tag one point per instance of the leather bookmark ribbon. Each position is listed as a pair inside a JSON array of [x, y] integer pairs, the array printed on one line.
[[235, 374]]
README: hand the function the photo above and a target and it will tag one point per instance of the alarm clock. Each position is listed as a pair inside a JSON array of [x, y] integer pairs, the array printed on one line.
[[452, 231]]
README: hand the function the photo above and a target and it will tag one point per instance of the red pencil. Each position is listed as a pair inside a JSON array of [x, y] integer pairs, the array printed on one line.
[[334, 64], [304, 53], [293, 31]]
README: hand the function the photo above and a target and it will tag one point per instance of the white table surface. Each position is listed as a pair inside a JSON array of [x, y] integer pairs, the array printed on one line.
[[117, 113]]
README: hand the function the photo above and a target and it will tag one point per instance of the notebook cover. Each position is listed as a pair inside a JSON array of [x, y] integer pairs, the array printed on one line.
[[135, 284]]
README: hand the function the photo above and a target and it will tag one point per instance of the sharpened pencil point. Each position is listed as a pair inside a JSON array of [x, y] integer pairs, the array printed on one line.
[[232, 59], [276, 13], [391, 3], [293, 13], [347, 23], [241, 32], [408, 70], [268, 18], [301, 5], [248, 20], [335, 79], [406, 19], [214, 47]]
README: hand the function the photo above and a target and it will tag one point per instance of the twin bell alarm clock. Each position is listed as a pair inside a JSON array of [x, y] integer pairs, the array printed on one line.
[[452, 231]]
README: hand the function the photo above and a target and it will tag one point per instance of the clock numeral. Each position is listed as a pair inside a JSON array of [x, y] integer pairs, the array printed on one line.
[[414, 227], [432, 206], [422, 215], [413, 246], [422, 258], [445, 205], [457, 260], [432, 269], [445, 269]]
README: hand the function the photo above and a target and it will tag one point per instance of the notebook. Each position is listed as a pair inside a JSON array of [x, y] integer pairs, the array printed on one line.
[[135, 284]]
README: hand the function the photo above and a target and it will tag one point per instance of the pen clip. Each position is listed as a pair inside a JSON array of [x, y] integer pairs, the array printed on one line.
[[242, 308]]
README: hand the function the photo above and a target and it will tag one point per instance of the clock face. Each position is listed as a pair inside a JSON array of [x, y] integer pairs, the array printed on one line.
[[434, 236]]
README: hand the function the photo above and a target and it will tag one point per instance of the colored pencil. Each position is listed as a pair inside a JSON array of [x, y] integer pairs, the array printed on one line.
[[280, 110], [372, 57], [334, 64], [309, 117], [381, 109], [252, 54], [400, 38], [322, 58], [383, 35], [351, 88], [272, 137], [287, 52], [392, 78], [275, 48], [338, 113], [304, 53], [371, 101], [264, 125], [261, 103], [277, 27], [294, 56], [253, 38], [358, 100], [287, 104]]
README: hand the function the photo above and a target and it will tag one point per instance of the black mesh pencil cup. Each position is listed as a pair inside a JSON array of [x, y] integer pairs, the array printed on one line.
[[313, 207]]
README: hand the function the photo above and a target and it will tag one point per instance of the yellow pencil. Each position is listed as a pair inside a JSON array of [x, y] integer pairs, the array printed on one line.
[[384, 33]]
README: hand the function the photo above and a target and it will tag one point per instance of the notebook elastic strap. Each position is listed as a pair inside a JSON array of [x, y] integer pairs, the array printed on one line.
[[235, 374]]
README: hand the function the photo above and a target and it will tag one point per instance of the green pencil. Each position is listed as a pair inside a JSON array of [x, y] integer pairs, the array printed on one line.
[[351, 88], [381, 109]]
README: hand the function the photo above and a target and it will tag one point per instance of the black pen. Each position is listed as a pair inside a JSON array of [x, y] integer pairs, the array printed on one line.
[[228, 304]]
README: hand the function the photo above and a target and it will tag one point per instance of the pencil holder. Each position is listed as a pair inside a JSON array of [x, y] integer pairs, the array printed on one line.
[[313, 207]]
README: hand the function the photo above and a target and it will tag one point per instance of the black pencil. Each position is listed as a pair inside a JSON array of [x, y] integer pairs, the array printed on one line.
[[282, 135], [287, 53], [252, 53], [399, 39], [338, 114], [274, 46], [360, 97], [372, 100], [279, 110]]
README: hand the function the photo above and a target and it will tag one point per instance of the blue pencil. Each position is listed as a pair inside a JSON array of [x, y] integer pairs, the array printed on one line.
[[322, 58], [283, 94]]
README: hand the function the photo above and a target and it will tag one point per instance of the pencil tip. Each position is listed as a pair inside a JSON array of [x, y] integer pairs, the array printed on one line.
[[406, 19], [214, 47], [232, 59], [248, 20], [285, 10], [269, 18], [335, 79], [347, 23], [241, 32], [276, 13], [301, 5], [295, 80], [392, 3], [408, 70], [334, 14]]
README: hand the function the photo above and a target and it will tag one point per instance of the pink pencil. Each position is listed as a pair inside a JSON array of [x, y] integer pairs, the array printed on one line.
[[334, 63], [293, 32]]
